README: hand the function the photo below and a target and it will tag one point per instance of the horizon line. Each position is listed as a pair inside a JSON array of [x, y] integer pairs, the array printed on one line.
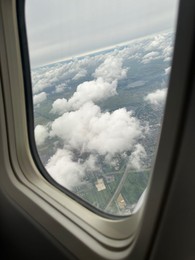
[[76, 56]]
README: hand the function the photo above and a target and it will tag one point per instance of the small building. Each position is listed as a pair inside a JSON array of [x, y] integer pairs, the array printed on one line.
[[121, 202], [100, 185]]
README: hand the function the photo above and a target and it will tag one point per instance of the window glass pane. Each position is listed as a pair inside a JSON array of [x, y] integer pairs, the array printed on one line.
[[100, 73]]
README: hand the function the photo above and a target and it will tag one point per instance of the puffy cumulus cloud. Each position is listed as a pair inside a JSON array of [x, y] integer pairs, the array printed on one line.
[[68, 171], [159, 41], [114, 132], [90, 130], [43, 79], [136, 158], [82, 73], [167, 53], [111, 69], [132, 50], [101, 88], [157, 98], [59, 106], [91, 163], [62, 167], [60, 88], [41, 134], [162, 43], [95, 90], [90, 137], [154, 55], [37, 99], [48, 77], [156, 42], [51, 76]]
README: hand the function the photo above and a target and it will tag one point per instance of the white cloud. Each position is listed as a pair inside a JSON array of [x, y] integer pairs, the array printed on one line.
[[59, 106], [91, 163], [103, 87], [67, 171], [168, 52], [111, 69], [157, 98], [82, 73], [138, 83], [64, 170], [37, 99], [154, 55], [136, 157], [162, 43], [53, 76], [95, 90], [90, 130], [89, 134], [60, 88], [92, 91], [41, 133], [157, 42]]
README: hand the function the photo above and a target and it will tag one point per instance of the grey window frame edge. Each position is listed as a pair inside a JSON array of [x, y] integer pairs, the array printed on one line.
[[23, 187]]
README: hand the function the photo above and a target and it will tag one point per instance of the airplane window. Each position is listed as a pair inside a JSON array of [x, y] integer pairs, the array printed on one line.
[[100, 72]]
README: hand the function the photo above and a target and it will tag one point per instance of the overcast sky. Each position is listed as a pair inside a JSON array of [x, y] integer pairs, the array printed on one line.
[[58, 29]]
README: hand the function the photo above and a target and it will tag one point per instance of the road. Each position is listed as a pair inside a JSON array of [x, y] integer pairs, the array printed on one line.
[[120, 186]]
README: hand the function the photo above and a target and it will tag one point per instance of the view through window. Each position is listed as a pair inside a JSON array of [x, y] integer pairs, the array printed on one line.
[[100, 73]]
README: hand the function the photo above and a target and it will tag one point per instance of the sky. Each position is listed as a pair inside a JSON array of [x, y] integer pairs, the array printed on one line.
[[67, 28]]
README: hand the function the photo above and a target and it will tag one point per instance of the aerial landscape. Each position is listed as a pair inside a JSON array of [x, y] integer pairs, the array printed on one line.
[[98, 117]]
